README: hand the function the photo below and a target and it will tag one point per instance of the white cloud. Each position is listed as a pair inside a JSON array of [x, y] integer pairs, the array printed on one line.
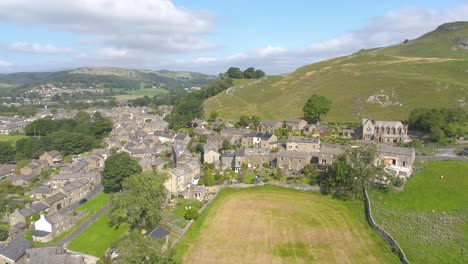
[[37, 48], [151, 25], [5, 63], [270, 51], [114, 53]]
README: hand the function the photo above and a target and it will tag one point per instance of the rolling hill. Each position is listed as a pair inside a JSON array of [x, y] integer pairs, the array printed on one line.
[[109, 77], [384, 83]]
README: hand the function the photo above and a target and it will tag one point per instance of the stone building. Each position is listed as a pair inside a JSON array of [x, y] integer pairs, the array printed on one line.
[[384, 131]]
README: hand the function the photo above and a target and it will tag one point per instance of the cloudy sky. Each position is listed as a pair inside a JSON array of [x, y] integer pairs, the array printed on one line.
[[206, 35]]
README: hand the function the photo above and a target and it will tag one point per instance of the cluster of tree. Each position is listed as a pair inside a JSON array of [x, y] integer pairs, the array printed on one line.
[[315, 107], [157, 100], [138, 249], [20, 111], [440, 124], [352, 171], [68, 136], [7, 189], [117, 168], [7, 152], [190, 106], [249, 73], [248, 121]]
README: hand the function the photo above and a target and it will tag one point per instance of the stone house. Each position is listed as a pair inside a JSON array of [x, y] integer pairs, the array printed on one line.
[[182, 139], [397, 160], [50, 226], [6, 170], [326, 155], [303, 144], [52, 255], [254, 158], [269, 126], [295, 124], [348, 133], [384, 131], [152, 163], [259, 140], [15, 252], [182, 176], [309, 129], [155, 125], [52, 157], [292, 160], [198, 123], [227, 160], [56, 202], [216, 140], [18, 219], [95, 162], [34, 167], [210, 154], [164, 137], [76, 191]]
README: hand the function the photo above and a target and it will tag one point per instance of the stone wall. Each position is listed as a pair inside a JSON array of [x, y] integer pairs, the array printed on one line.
[[420, 158], [393, 243]]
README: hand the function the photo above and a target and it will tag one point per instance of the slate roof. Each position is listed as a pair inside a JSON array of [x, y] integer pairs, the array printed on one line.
[[271, 123], [52, 255], [55, 198], [40, 233], [75, 185], [16, 249], [395, 150], [293, 154], [157, 233], [302, 140]]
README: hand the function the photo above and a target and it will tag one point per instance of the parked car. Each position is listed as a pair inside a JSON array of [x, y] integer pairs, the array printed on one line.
[[82, 201]]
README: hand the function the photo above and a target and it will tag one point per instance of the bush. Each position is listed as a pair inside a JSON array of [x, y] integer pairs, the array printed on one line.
[[3, 233], [191, 213]]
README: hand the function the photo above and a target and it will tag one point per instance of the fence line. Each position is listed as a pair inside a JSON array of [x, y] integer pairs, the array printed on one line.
[[395, 246]]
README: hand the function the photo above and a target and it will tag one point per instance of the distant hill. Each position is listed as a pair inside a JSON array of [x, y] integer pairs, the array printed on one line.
[[385, 83], [109, 77]]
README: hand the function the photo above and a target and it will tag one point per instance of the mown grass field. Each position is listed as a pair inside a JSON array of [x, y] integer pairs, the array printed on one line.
[[429, 218], [11, 138], [382, 83], [95, 239], [274, 225]]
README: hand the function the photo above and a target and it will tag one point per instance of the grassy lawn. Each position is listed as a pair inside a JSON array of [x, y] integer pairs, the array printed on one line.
[[141, 92], [274, 225], [92, 206], [95, 204], [179, 211], [98, 237], [11, 138], [429, 218]]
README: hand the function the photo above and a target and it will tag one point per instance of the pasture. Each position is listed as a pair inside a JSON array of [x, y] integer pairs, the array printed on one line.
[[275, 225], [429, 218]]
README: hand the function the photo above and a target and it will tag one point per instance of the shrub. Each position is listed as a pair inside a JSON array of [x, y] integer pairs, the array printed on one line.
[[191, 213]]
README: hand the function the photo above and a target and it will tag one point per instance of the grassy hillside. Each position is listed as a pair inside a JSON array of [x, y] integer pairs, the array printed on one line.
[[385, 83], [429, 218]]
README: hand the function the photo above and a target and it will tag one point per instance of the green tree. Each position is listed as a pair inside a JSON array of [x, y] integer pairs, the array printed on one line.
[[191, 213], [351, 171], [116, 169], [311, 172], [249, 73], [235, 73], [259, 74], [138, 249], [139, 203], [227, 144], [7, 152], [3, 233], [82, 117], [315, 107], [244, 121]]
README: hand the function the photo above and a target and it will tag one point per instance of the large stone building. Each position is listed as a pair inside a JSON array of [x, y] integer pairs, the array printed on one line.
[[384, 131], [397, 160], [302, 144], [292, 160]]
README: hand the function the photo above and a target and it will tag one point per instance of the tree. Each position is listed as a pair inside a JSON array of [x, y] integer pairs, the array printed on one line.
[[259, 74], [3, 233], [191, 213], [139, 203], [116, 169], [315, 107], [138, 249], [244, 121], [311, 172], [235, 72], [352, 171], [249, 73], [227, 144], [7, 152]]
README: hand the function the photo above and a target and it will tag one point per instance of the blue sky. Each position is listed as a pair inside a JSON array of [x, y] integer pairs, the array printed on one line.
[[205, 35]]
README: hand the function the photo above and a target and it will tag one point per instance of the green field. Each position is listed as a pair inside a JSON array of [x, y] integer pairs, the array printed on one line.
[[275, 225], [6, 85], [11, 138], [429, 218], [384, 84], [133, 94], [95, 239]]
